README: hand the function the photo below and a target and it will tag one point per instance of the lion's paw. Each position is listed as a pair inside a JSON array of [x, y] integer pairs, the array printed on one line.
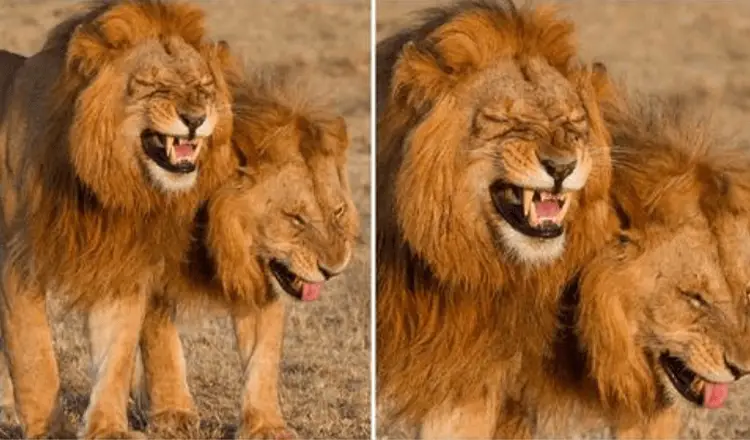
[[9, 416], [175, 424], [266, 432], [116, 435]]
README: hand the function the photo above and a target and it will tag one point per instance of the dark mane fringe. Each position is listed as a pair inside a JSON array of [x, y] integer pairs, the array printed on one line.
[[665, 144], [507, 16], [158, 10]]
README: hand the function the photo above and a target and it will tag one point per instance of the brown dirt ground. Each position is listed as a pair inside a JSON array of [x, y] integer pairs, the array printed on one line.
[[325, 388], [697, 48]]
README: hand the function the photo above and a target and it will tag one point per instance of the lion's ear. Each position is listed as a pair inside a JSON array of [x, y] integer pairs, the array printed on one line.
[[223, 61], [604, 88], [436, 64], [327, 134], [86, 53]]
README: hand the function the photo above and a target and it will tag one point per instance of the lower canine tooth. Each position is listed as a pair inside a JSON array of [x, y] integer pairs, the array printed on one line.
[[563, 211]]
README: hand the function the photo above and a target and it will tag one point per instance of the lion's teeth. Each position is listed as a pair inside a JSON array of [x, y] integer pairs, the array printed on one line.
[[533, 219], [564, 210], [528, 196], [170, 147]]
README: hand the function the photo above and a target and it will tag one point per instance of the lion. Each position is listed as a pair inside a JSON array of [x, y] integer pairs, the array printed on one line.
[[493, 187], [657, 321], [283, 226], [111, 136]]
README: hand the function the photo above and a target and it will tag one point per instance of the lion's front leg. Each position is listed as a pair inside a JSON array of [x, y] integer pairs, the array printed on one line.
[[114, 328], [8, 414], [474, 419], [665, 425], [172, 412], [31, 357], [259, 340]]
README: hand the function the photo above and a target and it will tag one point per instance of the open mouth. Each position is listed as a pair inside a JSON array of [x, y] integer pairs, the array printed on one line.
[[536, 213], [692, 386], [173, 153], [294, 285]]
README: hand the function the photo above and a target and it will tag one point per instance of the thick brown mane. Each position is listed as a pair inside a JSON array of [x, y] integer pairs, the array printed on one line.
[[456, 317], [95, 192], [91, 213], [488, 28], [83, 49]]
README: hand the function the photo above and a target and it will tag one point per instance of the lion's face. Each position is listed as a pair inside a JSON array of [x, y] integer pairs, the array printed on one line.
[[529, 156], [171, 110], [690, 281], [293, 204], [308, 227]]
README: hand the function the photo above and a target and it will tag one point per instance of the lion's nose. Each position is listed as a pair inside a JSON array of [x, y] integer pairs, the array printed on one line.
[[327, 272], [192, 121], [559, 169], [736, 371]]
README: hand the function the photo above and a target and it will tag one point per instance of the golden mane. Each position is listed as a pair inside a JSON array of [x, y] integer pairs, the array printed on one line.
[[455, 315], [87, 44]]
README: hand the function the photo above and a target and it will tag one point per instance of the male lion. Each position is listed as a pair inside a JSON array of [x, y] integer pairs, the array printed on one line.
[[493, 176], [110, 137], [658, 320], [285, 223]]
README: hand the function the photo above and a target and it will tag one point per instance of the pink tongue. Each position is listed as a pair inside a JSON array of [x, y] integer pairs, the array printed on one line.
[[714, 395], [547, 209], [311, 292], [183, 150]]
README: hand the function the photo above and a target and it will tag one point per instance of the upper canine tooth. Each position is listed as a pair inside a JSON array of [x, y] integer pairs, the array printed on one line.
[[170, 146], [528, 195], [532, 215]]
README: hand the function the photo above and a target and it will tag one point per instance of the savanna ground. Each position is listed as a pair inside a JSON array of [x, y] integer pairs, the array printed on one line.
[[325, 385], [693, 48]]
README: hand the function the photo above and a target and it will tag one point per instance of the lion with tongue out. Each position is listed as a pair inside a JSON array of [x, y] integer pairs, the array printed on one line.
[[283, 226], [659, 320]]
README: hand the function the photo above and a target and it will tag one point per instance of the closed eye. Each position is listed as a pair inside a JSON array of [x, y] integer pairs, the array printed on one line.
[[297, 220], [695, 299]]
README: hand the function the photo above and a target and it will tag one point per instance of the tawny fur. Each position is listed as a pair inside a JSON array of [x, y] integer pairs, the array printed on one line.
[[82, 218], [457, 310], [294, 168]]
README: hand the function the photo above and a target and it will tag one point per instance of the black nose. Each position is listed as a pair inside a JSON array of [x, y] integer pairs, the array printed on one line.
[[736, 371], [558, 169], [193, 121], [327, 273]]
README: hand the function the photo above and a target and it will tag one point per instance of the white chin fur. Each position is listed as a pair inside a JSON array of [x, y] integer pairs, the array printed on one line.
[[530, 250], [171, 182]]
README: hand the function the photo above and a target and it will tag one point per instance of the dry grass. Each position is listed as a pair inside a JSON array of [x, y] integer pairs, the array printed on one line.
[[697, 48], [326, 367]]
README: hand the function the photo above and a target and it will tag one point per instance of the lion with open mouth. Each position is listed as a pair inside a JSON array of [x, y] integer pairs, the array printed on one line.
[[110, 137], [493, 175]]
